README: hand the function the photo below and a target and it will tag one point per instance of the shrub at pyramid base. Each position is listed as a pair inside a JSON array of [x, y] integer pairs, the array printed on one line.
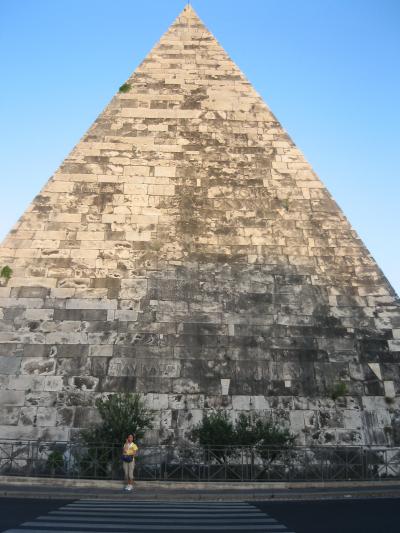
[[186, 251]]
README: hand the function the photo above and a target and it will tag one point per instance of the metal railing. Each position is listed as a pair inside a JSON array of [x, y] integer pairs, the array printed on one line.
[[195, 463]]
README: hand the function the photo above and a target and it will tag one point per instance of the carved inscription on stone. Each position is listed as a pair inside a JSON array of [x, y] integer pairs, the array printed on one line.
[[144, 368]]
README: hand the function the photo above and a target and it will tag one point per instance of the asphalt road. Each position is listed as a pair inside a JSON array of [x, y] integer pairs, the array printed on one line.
[[333, 516], [337, 516], [14, 511]]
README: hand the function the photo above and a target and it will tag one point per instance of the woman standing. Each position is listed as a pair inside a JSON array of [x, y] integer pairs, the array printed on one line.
[[128, 460]]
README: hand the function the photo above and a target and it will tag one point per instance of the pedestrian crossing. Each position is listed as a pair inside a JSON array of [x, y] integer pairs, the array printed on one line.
[[122, 516]]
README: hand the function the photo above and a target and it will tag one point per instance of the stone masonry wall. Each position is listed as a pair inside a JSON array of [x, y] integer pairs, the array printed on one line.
[[186, 250]]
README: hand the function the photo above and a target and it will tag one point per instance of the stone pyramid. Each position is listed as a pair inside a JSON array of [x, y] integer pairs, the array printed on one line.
[[186, 250]]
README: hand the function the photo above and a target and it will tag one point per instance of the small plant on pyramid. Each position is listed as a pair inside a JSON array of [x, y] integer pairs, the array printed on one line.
[[6, 272], [125, 88], [389, 400], [155, 245], [339, 390]]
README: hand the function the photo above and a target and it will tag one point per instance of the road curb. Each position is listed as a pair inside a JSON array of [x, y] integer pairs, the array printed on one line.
[[274, 497], [146, 494], [200, 485]]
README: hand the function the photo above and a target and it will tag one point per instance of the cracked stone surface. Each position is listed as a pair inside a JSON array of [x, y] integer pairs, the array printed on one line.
[[186, 250]]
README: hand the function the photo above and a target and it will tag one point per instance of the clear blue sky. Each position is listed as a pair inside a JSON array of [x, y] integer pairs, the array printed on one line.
[[329, 69]]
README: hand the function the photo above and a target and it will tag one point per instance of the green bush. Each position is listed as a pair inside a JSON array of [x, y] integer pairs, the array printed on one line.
[[217, 433], [268, 439], [121, 414], [271, 440], [55, 462], [246, 432]]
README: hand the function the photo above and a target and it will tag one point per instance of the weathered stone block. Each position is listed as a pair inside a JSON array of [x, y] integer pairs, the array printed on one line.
[[9, 365], [46, 416], [38, 366], [83, 382], [43, 399], [80, 314], [241, 403], [65, 416], [53, 383], [91, 304], [30, 292], [28, 416], [12, 397], [389, 389], [9, 415], [101, 350]]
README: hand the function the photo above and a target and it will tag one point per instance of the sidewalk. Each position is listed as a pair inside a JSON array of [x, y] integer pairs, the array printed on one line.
[[71, 489]]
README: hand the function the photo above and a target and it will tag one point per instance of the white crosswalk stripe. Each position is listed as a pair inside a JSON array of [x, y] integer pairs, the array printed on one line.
[[120, 516]]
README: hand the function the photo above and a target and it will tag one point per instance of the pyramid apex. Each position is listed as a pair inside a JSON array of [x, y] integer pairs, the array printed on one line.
[[188, 11], [188, 20], [189, 8]]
